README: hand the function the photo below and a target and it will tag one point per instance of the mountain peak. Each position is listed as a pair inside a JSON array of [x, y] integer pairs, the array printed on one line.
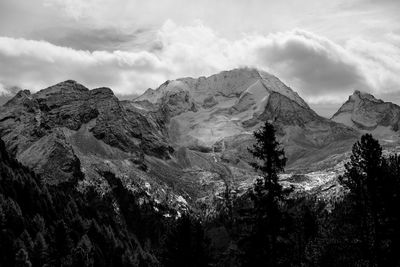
[[23, 93], [365, 112], [357, 93], [20, 96], [104, 91], [69, 83], [227, 84], [68, 86], [364, 96]]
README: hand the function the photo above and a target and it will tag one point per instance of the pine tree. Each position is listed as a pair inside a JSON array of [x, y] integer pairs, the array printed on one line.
[[40, 250], [186, 244], [82, 254], [2, 213], [390, 198], [228, 205], [268, 194], [362, 178], [271, 159], [63, 243], [22, 259]]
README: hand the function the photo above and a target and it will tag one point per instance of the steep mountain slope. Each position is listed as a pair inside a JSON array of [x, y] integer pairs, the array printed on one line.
[[365, 113], [179, 143], [219, 113], [67, 133]]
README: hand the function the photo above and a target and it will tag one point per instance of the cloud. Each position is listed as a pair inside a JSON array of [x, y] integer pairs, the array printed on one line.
[[75, 8], [380, 62], [318, 68], [314, 64], [92, 39], [82, 25], [37, 64], [4, 91]]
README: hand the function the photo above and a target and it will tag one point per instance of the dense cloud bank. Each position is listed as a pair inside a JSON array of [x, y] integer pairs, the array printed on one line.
[[317, 67]]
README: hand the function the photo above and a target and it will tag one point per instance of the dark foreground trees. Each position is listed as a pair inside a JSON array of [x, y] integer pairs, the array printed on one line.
[[360, 229], [58, 226], [373, 181], [362, 178]]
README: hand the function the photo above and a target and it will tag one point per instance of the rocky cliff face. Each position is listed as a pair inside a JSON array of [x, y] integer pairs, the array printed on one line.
[[179, 143], [47, 130], [364, 112]]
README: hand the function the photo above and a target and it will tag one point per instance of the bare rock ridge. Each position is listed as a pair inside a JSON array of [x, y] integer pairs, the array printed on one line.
[[179, 142], [365, 113], [36, 127]]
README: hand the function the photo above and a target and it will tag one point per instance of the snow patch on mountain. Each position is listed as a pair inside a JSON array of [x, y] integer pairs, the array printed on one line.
[[226, 84], [218, 106], [367, 114], [272, 83]]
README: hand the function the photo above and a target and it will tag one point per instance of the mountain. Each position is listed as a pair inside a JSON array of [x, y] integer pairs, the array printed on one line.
[[362, 111], [219, 113], [69, 134], [141, 182], [179, 143]]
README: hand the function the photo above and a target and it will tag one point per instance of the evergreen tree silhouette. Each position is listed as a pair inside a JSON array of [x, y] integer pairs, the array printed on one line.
[[363, 177], [267, 196]]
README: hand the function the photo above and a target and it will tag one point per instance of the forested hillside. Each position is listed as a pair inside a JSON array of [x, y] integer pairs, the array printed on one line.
[[58, 226]]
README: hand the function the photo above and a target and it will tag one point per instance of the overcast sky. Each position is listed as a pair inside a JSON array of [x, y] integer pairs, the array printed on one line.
[[323, 49]]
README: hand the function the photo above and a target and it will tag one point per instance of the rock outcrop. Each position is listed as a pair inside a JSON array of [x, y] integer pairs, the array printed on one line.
[[365, 113], [37, 128]]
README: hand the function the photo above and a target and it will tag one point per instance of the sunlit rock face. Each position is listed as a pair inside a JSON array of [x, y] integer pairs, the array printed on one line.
[[365, 113], [49, 129]]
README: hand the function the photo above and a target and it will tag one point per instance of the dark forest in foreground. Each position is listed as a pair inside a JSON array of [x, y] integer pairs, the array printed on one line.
[[42, 225]]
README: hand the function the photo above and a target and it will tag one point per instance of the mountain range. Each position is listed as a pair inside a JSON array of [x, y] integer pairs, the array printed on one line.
[[184, 141]]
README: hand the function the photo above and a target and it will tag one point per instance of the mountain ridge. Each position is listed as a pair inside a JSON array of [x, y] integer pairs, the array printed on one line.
[[180, 143]]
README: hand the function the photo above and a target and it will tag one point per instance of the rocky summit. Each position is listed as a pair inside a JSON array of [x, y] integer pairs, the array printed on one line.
[[67, 129], [179, 143], [362, 111]]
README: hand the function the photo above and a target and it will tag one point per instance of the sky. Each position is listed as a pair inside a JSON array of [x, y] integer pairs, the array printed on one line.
[[322, 49]]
